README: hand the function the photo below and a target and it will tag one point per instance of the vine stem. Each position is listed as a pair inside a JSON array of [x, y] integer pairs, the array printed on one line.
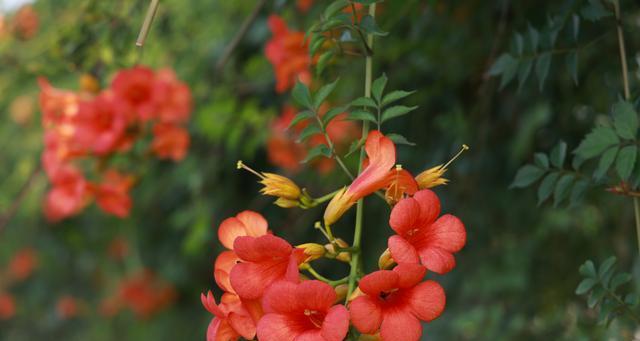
[[357, 234], [627, 96]]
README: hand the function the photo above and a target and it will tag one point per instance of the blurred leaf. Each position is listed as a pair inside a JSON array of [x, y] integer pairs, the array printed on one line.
[[319, 150], [309, 131], [399, 139], [335, 7], [606, 266], [369, 26], [331, 114], [377, 88], [585, 286], [302, 95], [562, 188], [362, 115], [396, 111], [394, 96], [323, 93], [527, 175], [625, 120], [547, 186], [605, 162], [364, 102], [323, 60], [626, 161], [594, 11], [620, 279], [301, 116], [572, 65], [541, 160], [524, 70], [558, 154], [578, 190], [542, 68], [588, 269], [596, 142]]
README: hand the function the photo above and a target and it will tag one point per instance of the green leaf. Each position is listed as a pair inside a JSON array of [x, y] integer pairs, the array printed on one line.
[[607, 265], [519, 42], [585, 286], [619, 280], [542, 68], [302, 95], [301, 116], [588, 269], [562, 188], [316, 42], [626, 161], [364, 102], [596, 295], [507, 66], [534, 38], [331, 114], [541, 160], [309, 131], [547, 186], [596, 142], [527, 175], [572, 65], [355, 146], [335, 7], [524, 70], [594, 11], [323, 93], [606, 160], [319, 150], [377, 88], [323, 60], [394, 96], [631, 299], [576, 27], [625, 120], [577, 192], [362, 115], [558, 154], [369, 26], [396, 111], [399, 139]]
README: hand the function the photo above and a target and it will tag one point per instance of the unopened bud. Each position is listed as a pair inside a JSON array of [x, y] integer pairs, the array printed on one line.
[[385, 261], [286, 203], [355, 294], [432, 177], [343, 256], [341, 292], [280, 186], [89, 83], [313, 251]]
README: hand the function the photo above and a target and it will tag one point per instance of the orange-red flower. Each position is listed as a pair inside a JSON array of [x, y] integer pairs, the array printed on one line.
[[67, 307], [288, 53], [22, 264], [302, 311], [304, 5], [245, 223], [135, 87], [170, 141], [68, 196], [7, 306], [112, 194], [145, 294], [26, 22], [101, 124], [382, 156], [395, 301], [422, 237], [231, 319], [172, 98]]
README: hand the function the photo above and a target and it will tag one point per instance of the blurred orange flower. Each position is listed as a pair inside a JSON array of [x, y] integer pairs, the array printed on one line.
[[170, 141], [7, 306], [67, 307], [25, 23], [22, 264], [288, 53]]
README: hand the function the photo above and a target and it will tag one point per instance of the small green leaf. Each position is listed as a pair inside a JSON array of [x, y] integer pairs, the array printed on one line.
[[572, 65], [301, 116], [394, 96], [541, 160], [309, 131], [542, 68], [355, 146], [596, 295], [547, 186], [558, 154], [323, 93], [399, 139], [377, 88], [396, 111], [594, 11], [364, 102], [319, 150], [607, 265], [577, 192], [331, 114], [369, 26], [335, 7], [585, 286], [625, 120], [302, 95], [576, 27], [596, 142], [626, 161], [362, 115], [619, 279], [316, 42], [323, 60], [507, 66], [534, 38], [519, 43], [527, 175], [588, 269], [524, 70], [606, 160], [562, 188]]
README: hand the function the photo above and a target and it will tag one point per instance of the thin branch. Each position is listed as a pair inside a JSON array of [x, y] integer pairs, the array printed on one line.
[[6, 216], [228, 51]]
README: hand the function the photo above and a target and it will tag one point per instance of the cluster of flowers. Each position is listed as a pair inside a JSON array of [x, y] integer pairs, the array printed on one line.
[[288, 52], [265, 295], [23, 24], [93, 125]]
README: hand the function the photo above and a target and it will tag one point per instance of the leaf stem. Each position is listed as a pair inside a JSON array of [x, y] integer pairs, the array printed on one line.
[[332, 147], [357, 235]]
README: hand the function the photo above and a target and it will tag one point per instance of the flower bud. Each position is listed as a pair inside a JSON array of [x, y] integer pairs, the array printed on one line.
[[340, 203], [432, 177], [280, 186], [341, 256], [355, 294], [286, 203], [385, 261], [341, 292], [89, 83], [313, 251]]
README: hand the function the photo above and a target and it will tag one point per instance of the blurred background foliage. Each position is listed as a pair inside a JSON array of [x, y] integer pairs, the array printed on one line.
[[516, 277]]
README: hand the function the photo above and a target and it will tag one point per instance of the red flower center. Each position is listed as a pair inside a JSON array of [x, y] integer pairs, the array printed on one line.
[[315, 317]]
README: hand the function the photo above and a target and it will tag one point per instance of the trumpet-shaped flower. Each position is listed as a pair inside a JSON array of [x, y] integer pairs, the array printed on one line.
[[422, 237], [112, 195], [170, 141], [245, 223], [231, 319], [382, 156], [302, 311], [400, 182], [395, 301], [263, 261]]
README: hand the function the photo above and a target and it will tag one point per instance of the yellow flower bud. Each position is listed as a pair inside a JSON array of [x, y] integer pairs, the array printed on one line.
[[341, 256], [341, 292], [386, 261], [432, 177], [286, 203], [313, 251], [279, 186], [338, 205]]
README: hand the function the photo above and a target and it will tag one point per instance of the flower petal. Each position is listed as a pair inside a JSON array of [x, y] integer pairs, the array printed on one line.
[[220, 330], [366, 314], [437, 260], [376, 282], [427, 300], [255, 249], [310, 335], [276, 327], [243, 325], [402, 251], [229, 230], [409, 274], [448, 233], [281, 297], [254, 223], [222, 267], [400, 325], [250, 280], [382, 156], [405, 215], [315, 295], [429, 205], [336, 324]]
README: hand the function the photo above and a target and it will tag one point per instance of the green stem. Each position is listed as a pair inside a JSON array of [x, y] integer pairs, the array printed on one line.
[[357, 235], [318, 276], [332, 148], [636, 209], [325, 198]]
